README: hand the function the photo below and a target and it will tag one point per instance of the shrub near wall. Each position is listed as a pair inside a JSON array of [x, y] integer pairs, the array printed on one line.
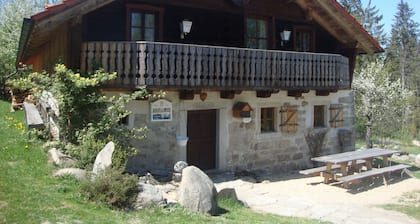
[[87, 119]]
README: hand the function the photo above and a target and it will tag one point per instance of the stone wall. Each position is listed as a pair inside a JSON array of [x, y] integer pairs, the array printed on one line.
[[242, 146]]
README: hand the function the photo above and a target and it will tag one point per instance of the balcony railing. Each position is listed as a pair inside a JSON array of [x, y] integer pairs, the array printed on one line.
[[186, 66]]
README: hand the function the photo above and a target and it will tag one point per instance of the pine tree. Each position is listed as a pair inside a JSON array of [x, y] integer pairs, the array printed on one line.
[[371, 20], [402, 49], [402, 59]]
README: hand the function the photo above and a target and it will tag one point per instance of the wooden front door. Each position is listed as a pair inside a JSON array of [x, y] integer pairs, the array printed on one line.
[[201, 147]]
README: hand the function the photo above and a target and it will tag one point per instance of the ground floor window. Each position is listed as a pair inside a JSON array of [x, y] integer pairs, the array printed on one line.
[[267, 119], [319, 116]]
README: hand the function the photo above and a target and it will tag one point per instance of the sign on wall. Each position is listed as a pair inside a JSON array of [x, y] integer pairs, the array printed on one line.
[[161, 110]]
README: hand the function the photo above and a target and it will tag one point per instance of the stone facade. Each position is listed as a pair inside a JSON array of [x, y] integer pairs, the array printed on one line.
[[242, 146]]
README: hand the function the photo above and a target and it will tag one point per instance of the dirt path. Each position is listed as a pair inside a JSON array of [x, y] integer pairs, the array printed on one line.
[[308, 197]]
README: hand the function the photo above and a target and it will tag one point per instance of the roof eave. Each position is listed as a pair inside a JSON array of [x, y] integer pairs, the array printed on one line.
[[27, 27]]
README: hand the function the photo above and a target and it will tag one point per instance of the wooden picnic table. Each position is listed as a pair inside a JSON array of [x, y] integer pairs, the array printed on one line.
[[348, 161]]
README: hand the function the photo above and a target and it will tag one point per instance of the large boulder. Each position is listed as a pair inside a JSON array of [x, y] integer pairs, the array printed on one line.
[[148, 195], [104, 158], [75, 172], [228, 193], [197, 192]]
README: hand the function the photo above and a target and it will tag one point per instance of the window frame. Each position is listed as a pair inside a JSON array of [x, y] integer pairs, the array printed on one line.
[[268, 29], [157, 11], [264, 117]]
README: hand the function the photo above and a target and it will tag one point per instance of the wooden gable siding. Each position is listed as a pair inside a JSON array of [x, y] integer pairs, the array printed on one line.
[[56, 50], [219, 26]]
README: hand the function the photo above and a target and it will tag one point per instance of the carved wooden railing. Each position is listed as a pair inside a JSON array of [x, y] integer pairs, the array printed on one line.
[[186, 66]]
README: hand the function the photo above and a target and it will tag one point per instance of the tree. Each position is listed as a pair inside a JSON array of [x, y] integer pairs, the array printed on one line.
[[381, 101], [12, 13], [403, 46], [402, 59], [371, 20]]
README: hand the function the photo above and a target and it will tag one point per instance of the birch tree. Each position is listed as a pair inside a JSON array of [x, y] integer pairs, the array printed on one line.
[[382, 102]]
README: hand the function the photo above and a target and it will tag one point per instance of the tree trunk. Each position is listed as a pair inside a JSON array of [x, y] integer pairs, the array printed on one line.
[[369, 131]]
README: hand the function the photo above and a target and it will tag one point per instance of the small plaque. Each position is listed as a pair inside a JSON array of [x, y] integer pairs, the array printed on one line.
[[161, 110]]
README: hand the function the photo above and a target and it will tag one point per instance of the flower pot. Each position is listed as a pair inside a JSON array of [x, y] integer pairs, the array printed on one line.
[[181, 140]]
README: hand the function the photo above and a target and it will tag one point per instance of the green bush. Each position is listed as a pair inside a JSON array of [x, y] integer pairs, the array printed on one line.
[[112, 188], [88, 119]]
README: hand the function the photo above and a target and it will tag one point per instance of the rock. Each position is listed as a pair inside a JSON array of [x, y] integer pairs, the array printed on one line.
[[148, 179], [176, 177], [418, 160], [197, 192], [404, 158], [148, 195], [104, 158], [227, 193], [412, 158], [179, 166], [75, 172], [58, 158], [416, 142], [53, 157]]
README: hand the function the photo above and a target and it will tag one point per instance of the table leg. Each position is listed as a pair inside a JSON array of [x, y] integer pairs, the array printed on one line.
[[386, 161], [353, 167], [369, 162], [327, 174], [343, 167]]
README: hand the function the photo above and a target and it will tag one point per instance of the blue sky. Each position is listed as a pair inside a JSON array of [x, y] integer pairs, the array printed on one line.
[[388, 9]]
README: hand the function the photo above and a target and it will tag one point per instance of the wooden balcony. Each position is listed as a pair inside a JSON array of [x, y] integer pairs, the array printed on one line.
[[192, 67]]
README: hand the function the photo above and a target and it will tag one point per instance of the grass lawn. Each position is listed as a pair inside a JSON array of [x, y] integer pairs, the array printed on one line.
[[29, 194], [409, 204]]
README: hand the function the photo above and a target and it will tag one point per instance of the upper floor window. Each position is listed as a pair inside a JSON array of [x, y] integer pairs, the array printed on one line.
[[143, 26], [256, 33], [304, 39], [143, 22], [267, 119]]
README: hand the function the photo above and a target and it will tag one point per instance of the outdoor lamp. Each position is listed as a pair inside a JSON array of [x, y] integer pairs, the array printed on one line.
[[285, 36], [185, 26]]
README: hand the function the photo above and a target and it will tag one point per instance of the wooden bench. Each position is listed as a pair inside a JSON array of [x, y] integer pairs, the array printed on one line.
[[318, 170], [32, 116], [346, 180]]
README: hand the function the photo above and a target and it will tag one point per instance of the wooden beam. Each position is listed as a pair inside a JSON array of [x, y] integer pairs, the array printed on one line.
[[322, 92], [186, 94], [227, 94], [264, 93], [296, 93]]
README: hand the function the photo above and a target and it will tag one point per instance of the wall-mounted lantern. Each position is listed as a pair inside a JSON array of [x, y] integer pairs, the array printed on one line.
[[185, 26], [285, 36], [242, 110]]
